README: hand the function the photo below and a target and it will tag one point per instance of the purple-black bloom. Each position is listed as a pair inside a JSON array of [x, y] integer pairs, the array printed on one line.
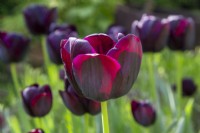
[[77, 104], [38, 18], [37, 100], [36, 131], [100, 69], [152, 31], [13, 47], [188, 87], [54, 38], [143, 113], [182, 33]]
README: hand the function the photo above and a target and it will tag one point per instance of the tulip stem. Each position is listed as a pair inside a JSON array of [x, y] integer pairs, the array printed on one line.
[[44, 51], [104, 116], [69, 125], [14, 78], [86, 121]]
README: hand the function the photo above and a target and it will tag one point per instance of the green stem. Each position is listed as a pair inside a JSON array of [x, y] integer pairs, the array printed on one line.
[[69, 125], [178, 80], [86, 122], [14, 78], [104, 116], [44, 51]]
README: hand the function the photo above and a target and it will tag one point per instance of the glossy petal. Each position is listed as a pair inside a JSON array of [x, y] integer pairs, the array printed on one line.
[[102, 43], [95, 74], [36, 131], [128, 52], [143, 113], [70, 50], [113, 31]]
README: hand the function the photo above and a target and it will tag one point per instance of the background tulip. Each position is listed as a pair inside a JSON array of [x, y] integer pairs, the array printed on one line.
[[182, 33], [37, 100], [2, 121], [100, 69], [38, 18], [12, 47], [143, 113], [54, 38], [188, 87], [152, 31], [113, 31], [36, 131], [76, 104]]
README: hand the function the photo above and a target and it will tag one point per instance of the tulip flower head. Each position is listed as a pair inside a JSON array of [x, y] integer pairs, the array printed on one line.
[[152, 31], [100, 69], [54, 38], [143, 113], [182, 33], [38, 18], [77, 104], [37, 100], [188, 87], [36, 131], [13, 47]]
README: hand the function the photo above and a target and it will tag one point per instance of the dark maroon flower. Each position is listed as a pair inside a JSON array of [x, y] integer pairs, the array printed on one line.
[[13, 47], [77, 104], [182, 33], [69, 29], [143, 113], [36, 131], [188, 87], [62, 74], [100, 69], [37, 100], [152, 31], [38, 18], [54, 39], [113, 31]]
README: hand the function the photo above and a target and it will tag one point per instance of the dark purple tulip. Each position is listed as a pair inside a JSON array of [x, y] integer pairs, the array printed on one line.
[[143, 113], [37, 100], [77, 104], [62, 74], [69, 29], [54, 39], [113, 31], [38, 18], [152, 31], [188, 87], [100, 69], [182, 33], [36, 131], [13, 47]]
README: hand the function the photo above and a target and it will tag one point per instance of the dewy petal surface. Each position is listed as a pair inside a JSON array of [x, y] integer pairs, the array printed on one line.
[[102, 43], [128, 52], [95, 74]]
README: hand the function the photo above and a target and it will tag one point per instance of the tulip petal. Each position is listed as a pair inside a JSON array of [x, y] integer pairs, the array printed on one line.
[[95, 74], [128, 52], [102, 43]]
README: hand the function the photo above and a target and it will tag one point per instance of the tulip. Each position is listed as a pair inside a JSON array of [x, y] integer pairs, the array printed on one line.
[[143, 113], [113, 31], [2, 121], [54, 38], [188, 87], [37, 100], [12, 47], [70, 29], [36, 131], [62, 74], [182, 33], [152, 31], [76, 104], [38, 18], [100, 69]]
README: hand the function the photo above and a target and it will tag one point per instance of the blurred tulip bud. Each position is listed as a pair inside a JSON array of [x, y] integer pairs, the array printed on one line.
[[38, 18], [188, 87], [62, 74], [152, 31], [12, 47], [36, 131], [77, 104], [37, 100], [54, 39], [100, 69], [182, 33], [143, 113], [113, 31]]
